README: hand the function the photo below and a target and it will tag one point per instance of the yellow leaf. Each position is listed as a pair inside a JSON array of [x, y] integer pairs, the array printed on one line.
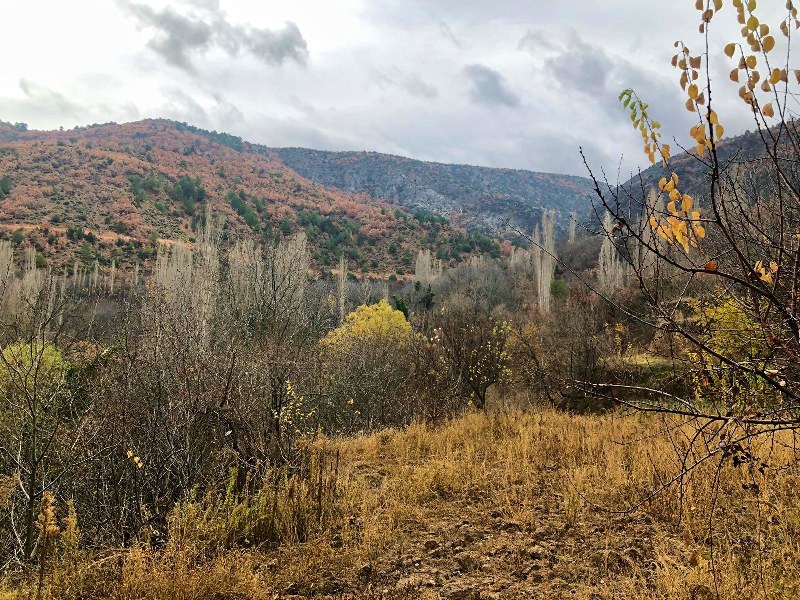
[[686, 204], [751, 62], [701, 150], [693, 91], [653, 223], [711, 266], [717, 5], [690, 105], [719, 131], [662, 183], [768, 43], [700, 231], [674, 178], [773, 266], [674, 195], [735, 75], [730, 49], [713, 118], [767, 277], [768, 111], [752, 23]]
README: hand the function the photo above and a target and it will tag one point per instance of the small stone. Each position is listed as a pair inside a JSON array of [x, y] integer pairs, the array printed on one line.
[[365, 571], [456, 591], [467, 562], [431, 545], [511, 526], [537, 552]]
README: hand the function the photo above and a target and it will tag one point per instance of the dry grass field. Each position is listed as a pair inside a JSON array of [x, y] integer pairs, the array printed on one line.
[[515, 505]]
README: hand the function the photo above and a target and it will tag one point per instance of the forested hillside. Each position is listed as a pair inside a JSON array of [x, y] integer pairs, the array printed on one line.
[[115, 192], [493, 201], [744, 155]]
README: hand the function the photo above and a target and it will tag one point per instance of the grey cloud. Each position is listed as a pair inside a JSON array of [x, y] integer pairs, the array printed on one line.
[[209, 5], [416, 86], [582, 67], [178, 37], [277, 46], [41, 96], [489, 88], [586, 71], [216, 112], [444, 28], [535, 41], [412, 83], [181, 103]]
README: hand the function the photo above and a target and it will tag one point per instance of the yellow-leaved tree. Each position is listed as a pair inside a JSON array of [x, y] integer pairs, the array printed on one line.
[[728, 238], [712, 238], [366, 366]]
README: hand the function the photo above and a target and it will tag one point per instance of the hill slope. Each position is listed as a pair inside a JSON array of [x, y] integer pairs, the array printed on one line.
[[744, 150], [493, 201], [113, 191]]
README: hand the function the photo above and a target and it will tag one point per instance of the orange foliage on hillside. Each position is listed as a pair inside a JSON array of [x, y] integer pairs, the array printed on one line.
[[109, 192]]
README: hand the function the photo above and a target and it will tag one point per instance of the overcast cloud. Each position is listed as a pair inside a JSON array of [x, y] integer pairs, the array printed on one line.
[[510, 83]]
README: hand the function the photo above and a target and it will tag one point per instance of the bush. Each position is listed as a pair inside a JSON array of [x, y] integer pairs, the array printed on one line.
[[366, 366]]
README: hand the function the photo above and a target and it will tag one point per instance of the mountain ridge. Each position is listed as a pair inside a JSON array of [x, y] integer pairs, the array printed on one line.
[[492, 200]]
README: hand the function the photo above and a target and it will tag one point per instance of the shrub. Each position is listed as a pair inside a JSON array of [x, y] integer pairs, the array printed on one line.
[[366, 366]]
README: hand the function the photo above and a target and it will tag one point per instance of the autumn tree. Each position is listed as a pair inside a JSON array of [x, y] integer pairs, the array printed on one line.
[[366, 365], [717, 265]]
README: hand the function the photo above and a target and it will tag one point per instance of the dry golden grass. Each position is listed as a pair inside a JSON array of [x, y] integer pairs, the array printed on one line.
[[510, 505]]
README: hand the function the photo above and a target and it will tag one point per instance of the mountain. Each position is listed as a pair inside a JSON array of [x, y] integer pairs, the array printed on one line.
[[496, 202], [116, 192], [745, 151]]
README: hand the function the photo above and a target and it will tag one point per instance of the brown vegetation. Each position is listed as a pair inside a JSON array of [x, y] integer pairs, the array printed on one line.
[[506, 505]]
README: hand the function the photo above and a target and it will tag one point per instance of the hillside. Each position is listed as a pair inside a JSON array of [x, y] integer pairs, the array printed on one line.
[[496, 202], [743, 150], [116, 191]]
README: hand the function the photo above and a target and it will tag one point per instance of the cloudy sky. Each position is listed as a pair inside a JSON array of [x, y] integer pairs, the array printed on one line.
[[507, 83]]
